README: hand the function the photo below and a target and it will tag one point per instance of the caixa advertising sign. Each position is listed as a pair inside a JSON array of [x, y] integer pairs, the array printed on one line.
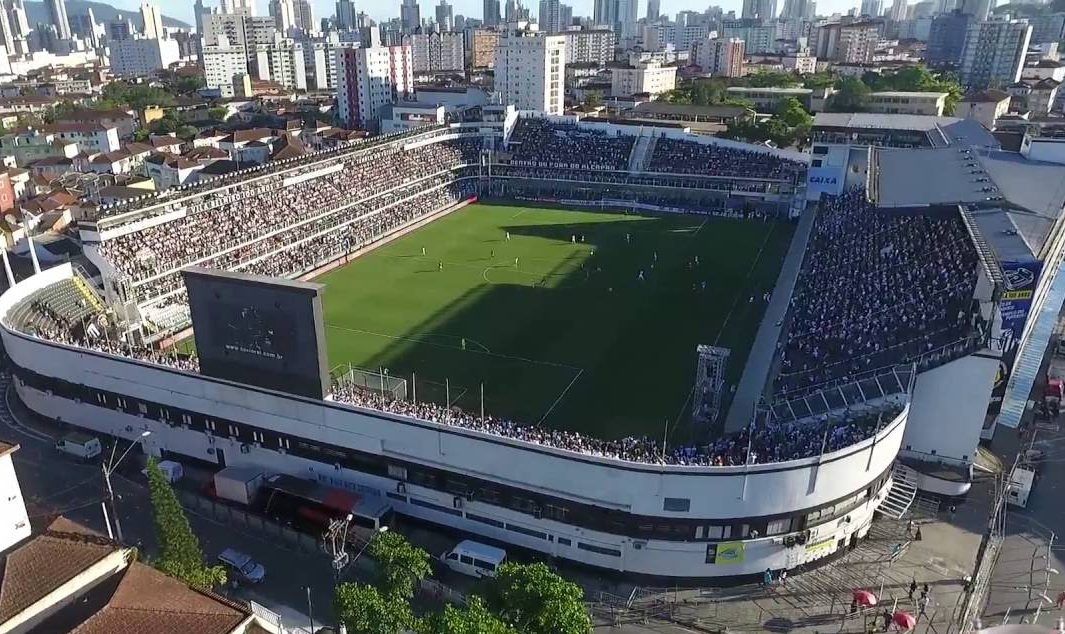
[[824, 180]]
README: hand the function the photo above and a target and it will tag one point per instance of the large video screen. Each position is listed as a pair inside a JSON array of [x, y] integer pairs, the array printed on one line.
[[259, 330]]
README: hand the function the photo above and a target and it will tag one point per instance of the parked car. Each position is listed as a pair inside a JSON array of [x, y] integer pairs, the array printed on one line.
[[242, 566]]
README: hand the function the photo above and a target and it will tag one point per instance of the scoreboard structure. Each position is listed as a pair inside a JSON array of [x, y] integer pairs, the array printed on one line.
[[259, 330]]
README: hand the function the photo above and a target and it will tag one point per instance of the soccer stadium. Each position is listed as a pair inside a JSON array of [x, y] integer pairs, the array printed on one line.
[[632, 348]]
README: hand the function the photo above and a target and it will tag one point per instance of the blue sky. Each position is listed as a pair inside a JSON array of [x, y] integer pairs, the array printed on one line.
[[384, 9]]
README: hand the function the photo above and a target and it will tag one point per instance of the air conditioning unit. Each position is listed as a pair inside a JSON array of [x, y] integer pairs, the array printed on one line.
[[457, 501], [244, 448], [401, 487]]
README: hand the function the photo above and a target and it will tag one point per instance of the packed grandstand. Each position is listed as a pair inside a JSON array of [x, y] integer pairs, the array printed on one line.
[[875, 290]]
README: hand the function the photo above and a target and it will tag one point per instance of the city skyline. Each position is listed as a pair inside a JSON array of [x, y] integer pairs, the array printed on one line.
[[474, 8]]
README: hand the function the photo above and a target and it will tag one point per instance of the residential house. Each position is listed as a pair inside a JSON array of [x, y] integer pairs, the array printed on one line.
[[90, 136], [14, 522], [125, 122], [985, 106], [69, 578], [170, 170], [167, 143]]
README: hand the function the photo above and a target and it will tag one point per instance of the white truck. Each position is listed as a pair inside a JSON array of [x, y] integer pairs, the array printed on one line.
[[238, 484]]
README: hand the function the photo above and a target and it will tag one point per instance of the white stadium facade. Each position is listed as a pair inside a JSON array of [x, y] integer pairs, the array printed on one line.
[[82, 347]]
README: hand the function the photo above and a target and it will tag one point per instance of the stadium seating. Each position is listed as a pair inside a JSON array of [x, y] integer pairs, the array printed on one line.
[[877, 289], [688, 157], [537, 142], [151, 257]]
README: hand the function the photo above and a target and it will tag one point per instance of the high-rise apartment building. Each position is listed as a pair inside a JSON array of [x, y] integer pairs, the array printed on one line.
[[221, 63], [142, 57], [282, 62], [435, 52], [57, 17], [491, 13], [851, 43], [759, 9], [369, 79], [550, 16], [946, 39], [979, 9], [345, 15], [410, 14], [284, 14], [759, 37], [530, 71], [722, 57], [993, 54], [445, 16], [871, 8], [303, 16], [619, 14], [483, 44], [152, 21], [654, 10], [586, 46]]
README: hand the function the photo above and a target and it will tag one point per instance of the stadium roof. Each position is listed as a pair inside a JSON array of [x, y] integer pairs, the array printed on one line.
[[941, 131], [1014, 202], [658, 107]]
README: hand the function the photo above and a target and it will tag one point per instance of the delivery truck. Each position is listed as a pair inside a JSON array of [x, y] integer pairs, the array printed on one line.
[[238, 484]]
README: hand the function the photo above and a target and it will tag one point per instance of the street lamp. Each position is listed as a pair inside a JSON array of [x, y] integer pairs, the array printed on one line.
[[109, 468]]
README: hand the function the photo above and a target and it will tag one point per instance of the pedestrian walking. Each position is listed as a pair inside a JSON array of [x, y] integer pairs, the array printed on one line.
[[922, 606], [917, 535], [924, 591], [784, 578], [887, 619], [909, 528], [913, 588], [767, 578], [423, 250]]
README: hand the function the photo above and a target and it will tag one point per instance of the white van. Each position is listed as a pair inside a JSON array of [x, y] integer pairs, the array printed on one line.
[[172, 471], [79, 445], [474, 558]]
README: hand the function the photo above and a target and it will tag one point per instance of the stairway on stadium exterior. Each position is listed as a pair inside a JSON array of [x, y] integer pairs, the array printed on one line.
[[902, 493], [641, 152]]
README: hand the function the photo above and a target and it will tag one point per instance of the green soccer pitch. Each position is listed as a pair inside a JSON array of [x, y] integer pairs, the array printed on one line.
[[554, 320]]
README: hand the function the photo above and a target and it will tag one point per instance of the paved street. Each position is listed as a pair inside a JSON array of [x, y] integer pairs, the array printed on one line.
[[1027, 577], [54, 485]]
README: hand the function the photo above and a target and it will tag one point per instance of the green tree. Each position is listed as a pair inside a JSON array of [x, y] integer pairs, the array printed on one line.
[[853, 96], [400, 564], [365, 610], [180, 555], [534, 600], [791, 112], [473, 618], [819, 80], [218, 114], [768, 79], [594, 99]]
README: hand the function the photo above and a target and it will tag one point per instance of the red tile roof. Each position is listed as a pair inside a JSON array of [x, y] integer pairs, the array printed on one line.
[[46, 562], [147, 600]]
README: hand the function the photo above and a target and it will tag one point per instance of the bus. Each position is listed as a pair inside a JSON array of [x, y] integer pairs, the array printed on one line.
[[310, 506]]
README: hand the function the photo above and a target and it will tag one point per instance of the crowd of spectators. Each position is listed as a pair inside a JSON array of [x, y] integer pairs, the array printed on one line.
[[228, 220], [538, 142], [768, 442], [710, 159], [876, 289], [660, 179]]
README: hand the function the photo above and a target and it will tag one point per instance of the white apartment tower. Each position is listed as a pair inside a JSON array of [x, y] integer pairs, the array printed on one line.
[[530, 71], [153, 21], [368, 79]]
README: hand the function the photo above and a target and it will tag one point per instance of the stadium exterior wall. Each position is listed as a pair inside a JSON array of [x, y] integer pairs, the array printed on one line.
[[850, 482]]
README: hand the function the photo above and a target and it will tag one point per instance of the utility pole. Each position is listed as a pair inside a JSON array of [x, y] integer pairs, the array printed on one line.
[[336, 543]]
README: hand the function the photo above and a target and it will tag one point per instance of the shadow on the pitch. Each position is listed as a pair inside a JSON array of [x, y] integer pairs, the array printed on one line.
[[622, 350]]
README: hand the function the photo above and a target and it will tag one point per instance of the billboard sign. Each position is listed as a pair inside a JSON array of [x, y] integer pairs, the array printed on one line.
[[259, 330], [724, 553], [1016, 301], [824, 180]]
